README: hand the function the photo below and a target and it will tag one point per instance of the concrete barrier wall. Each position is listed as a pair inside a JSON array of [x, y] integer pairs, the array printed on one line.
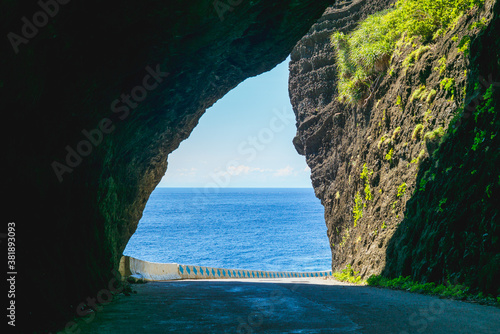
[[152, 271], [167, 271]]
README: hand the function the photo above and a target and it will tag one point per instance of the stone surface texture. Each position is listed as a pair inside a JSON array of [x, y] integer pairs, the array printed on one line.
[[433, 217], [142, 71]]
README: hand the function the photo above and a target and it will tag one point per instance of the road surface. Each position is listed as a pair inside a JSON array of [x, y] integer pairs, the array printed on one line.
[[305, 305]]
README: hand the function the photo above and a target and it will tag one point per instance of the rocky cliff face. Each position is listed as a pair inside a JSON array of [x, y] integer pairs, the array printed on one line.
[[409, 178], [96, 96]]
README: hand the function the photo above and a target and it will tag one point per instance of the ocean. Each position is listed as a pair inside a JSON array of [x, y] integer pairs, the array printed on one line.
[[238, 228]]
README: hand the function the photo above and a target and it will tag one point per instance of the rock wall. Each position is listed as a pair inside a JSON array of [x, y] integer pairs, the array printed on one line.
[[96, 95], [432, 210]]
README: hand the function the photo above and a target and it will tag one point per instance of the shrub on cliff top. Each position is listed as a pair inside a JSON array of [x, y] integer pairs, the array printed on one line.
[[363, 55]]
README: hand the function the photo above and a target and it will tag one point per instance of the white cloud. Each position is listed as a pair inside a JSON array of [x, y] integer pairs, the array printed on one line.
[[288, 170], [186, 171], [242, 169]]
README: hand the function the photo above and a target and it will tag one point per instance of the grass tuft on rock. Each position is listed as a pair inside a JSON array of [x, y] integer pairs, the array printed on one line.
[[455, 291], [348, 275], [363, 55]]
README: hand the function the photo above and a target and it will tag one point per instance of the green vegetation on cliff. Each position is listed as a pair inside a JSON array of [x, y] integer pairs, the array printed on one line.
[[348, 275], [418, 85], [446, 290], [449, 290], [363, 55]]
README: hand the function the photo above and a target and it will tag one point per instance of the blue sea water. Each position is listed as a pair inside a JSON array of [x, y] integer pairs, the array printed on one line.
[[245, 228]]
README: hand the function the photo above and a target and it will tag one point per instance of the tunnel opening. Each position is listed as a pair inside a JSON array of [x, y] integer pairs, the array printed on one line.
[[75, 230], [236, 193]]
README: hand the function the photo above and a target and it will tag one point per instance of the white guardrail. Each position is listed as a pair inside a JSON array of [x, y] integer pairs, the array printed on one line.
[[152, 271]]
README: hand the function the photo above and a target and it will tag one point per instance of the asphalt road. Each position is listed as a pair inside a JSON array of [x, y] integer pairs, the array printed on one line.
[[284, 306]]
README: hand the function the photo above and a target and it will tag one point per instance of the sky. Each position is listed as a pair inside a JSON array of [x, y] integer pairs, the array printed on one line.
[[243, 140]]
